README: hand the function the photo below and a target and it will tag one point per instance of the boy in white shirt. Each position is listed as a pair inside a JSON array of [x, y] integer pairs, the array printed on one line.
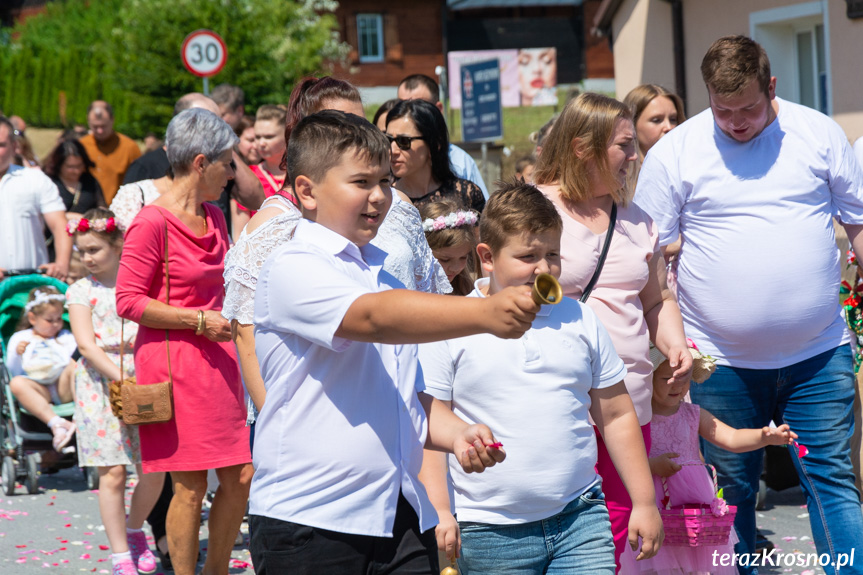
[[544, 510], [339, 441]]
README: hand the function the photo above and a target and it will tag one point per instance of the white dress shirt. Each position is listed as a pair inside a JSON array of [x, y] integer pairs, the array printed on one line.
[[342, 430]]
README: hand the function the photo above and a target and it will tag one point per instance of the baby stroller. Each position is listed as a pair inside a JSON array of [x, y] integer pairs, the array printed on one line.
[[22, 436]]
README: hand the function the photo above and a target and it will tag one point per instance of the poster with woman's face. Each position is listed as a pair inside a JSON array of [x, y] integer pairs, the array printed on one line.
[[537, 76]]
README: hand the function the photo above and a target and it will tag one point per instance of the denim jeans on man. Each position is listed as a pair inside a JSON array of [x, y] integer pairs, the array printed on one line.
[[815, 398], [575, 541]]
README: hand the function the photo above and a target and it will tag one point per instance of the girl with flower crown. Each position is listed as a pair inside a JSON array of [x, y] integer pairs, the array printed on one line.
[[451, 235], [104, 441], [40, 362]]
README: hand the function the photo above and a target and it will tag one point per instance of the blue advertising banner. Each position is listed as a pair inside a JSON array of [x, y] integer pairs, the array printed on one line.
[[481, 107]]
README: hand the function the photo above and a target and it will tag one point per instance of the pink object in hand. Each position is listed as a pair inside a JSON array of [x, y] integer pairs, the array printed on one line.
[[802, 450], [496, 445]]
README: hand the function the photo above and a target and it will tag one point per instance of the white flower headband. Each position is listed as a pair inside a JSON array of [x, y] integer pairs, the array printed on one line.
[[451, 220], [40, 297]]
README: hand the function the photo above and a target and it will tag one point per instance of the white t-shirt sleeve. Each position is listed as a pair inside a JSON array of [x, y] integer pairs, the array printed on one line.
[[438, 369], [608, 369], [846, 183], [49, 197], [659, 191], [311, 307]]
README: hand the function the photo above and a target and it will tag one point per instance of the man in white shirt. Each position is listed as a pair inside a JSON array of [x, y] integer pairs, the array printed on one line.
[[27, 199], [421, 87], [751, 186]]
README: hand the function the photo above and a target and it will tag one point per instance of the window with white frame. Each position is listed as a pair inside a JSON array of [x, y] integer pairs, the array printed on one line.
[[370, 37], [797, 42]]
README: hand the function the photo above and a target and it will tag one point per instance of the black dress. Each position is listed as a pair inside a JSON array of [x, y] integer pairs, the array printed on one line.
[[464, 193], [89, 197]]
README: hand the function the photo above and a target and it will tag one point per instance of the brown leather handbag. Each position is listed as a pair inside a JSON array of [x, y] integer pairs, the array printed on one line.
[[152, 403]]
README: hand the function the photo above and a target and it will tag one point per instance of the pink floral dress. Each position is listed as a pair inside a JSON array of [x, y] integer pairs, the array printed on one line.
[[103, 440]]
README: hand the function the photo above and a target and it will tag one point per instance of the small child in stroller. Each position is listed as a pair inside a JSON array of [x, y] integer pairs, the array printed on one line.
[[40, 362]]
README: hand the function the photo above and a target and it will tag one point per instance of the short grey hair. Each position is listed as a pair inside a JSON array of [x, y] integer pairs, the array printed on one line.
[[197, 131]]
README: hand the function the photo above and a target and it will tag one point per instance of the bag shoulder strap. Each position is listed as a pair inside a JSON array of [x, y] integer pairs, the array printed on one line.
[[167, 301], [612, 219]]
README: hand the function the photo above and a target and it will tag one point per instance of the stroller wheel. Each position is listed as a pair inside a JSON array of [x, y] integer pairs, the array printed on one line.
[[91, 475], [32, 462], [8, 475]]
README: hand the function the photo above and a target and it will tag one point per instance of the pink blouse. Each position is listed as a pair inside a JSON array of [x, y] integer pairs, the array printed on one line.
[[615, 299]]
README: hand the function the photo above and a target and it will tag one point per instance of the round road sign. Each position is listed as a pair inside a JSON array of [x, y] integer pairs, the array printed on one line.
[[204, 53]]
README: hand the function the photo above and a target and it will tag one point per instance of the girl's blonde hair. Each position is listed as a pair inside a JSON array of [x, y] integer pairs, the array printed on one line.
[[51, 301], [462, 284], [587, 125]]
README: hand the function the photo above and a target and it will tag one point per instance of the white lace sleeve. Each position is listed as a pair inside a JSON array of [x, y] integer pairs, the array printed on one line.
[[243, 263], [409, 258], [130, 199]]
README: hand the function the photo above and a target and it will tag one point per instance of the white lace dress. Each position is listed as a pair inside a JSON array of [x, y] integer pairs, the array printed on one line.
[[130, 199], [409, 258]]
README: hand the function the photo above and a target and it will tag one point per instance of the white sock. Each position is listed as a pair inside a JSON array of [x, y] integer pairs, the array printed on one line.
[[133, 530], [54, 421], [118, 557]]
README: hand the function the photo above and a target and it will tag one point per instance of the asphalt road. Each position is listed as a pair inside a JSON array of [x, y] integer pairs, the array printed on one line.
[[59, 529]]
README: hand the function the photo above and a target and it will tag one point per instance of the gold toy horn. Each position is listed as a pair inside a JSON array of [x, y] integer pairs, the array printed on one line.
[[546, 290]]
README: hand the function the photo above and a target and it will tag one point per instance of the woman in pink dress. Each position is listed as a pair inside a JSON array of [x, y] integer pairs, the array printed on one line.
[[583, 169], [208, 428]]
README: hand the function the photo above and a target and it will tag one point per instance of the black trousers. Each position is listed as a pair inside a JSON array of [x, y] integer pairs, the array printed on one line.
[[279, 547], [159, 514]]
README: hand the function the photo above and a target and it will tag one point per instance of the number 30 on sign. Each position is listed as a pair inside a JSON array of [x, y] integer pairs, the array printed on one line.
[[204, 53]]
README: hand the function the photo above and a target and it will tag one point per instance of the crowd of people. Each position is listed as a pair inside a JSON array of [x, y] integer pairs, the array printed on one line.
[[344, 311]]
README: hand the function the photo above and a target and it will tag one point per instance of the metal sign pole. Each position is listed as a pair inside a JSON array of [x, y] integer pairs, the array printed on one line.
[[485, 171], [206, 86]]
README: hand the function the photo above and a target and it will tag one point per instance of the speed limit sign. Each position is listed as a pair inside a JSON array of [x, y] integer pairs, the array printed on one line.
[[204, 53]]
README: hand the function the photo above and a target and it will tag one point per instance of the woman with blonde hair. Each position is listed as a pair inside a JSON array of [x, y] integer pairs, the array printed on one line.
[[655, 112], [583, 169]]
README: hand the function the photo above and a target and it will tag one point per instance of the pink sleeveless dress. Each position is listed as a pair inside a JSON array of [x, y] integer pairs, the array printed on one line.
[[678, 433]]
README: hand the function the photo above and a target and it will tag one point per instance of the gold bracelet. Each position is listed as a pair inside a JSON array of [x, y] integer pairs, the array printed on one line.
[[202, 322]]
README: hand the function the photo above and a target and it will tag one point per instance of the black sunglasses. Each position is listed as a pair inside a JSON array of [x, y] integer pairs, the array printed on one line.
[[403, 142]]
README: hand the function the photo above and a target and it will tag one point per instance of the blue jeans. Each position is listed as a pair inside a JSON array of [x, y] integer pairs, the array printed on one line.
[[815, 398], [575, 541]]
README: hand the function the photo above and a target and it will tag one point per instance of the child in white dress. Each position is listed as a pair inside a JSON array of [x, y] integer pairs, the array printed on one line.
[[39, 358]]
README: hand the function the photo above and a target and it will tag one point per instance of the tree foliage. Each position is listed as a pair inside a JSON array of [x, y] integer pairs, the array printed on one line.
[[128, 53]]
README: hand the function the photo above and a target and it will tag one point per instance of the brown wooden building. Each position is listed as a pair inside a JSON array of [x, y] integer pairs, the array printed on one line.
[[391, 39]]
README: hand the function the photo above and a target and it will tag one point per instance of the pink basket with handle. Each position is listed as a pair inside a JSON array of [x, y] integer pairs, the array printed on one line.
[[695, 525]]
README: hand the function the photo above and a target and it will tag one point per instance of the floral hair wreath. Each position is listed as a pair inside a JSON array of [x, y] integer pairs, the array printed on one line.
[[84, 225], [703, 365], [40, 297], [451, 220]]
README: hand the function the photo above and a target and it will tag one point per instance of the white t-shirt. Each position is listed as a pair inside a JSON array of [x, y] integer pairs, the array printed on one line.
[[758, 274], [533, 394], [64, 342], [25, 194], [342, 430], [858, 150]]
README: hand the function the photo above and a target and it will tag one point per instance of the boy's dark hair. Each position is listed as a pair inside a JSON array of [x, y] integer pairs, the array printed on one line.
[[515, 208], [319, 142]]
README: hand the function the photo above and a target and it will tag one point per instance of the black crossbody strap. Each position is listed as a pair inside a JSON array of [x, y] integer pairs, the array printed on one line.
[[601, 262]]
